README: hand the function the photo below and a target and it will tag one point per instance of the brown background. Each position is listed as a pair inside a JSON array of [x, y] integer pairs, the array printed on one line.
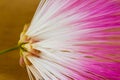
[[13, 15]]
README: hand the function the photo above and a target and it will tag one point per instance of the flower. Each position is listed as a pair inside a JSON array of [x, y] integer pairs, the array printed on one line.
[[73, 40]]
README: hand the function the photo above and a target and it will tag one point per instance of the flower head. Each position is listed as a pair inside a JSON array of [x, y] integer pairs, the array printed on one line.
[[73, 40]]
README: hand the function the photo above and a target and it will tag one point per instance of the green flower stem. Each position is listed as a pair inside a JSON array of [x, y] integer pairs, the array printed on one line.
[[10, 49]]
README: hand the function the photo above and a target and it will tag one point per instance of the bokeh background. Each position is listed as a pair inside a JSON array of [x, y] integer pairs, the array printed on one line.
[[13, 15]]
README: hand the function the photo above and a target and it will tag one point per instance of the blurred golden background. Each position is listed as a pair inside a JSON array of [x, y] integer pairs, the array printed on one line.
[[13, 15]]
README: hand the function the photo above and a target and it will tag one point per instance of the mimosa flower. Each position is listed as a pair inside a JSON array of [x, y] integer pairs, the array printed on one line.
[[73, 40]]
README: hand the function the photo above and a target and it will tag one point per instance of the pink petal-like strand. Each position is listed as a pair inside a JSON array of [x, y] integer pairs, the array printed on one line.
[[77, 40]]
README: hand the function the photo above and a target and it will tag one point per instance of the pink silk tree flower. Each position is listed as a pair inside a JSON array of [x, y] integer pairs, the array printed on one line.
[[73, 40]]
